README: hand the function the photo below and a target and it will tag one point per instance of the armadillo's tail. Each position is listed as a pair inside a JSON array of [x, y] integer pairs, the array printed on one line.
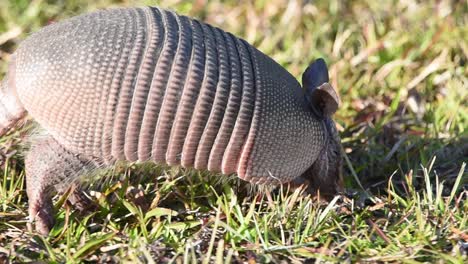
[[11, 109]]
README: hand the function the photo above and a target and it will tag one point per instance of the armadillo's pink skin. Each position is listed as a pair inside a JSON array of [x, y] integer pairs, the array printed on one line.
[[11, 109], [146, 84]]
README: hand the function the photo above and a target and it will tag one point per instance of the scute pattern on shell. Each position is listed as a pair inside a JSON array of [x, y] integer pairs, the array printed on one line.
[[147, 84]]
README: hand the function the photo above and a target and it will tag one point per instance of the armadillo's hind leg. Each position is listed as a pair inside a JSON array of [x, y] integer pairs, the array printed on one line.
[[48, 165]]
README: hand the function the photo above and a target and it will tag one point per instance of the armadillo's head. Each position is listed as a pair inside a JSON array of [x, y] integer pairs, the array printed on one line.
[[325, 174]]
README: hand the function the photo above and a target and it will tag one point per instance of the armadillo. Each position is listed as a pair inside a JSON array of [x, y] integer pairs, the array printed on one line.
[[147, 84]]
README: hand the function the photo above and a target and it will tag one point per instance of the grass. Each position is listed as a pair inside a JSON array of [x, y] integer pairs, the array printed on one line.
[[400, 67]]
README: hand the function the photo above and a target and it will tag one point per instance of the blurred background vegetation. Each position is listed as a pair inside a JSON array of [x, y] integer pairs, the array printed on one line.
[[400, 67]]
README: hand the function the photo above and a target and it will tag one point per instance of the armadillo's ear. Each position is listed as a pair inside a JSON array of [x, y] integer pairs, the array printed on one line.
[[323, 98], [315, 75]]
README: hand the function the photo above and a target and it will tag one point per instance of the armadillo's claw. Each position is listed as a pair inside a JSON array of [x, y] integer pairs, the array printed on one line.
[[80, 201], [2, 158], [41, 214]]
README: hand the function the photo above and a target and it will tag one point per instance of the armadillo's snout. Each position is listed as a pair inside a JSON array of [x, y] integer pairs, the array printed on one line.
[[325, 174]]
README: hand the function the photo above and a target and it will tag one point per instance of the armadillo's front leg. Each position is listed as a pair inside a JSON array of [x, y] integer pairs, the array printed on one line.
[[49, 164]]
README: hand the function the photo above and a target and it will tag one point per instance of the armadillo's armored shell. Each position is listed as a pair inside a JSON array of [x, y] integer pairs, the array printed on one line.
[[147, 84]]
